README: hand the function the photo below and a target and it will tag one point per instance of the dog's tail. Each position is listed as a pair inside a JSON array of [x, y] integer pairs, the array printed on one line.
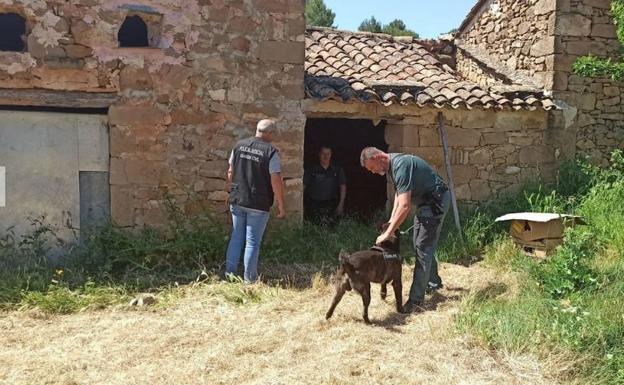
[[345, 265]]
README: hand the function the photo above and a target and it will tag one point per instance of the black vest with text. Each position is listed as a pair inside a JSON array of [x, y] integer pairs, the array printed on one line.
[[251, 181]]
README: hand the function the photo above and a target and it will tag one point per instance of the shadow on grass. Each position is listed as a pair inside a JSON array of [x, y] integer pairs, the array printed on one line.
[[489, 292]]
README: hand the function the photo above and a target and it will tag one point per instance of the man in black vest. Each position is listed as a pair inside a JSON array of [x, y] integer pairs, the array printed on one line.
[[253, 180]]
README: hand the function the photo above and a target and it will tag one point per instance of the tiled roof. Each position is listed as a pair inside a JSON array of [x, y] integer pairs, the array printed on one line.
[[368, 67]]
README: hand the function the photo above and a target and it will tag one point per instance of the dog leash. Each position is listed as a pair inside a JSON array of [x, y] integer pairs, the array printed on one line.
[[406, 231]]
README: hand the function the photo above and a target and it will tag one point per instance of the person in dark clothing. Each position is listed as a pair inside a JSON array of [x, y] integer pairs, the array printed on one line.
[[253, 180], [416, 183], [325, 189]]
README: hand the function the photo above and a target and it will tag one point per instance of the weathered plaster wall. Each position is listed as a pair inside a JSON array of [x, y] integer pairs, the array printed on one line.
[[595, 123], [220, 66], [491, 151], [512, 38], [43, 154]]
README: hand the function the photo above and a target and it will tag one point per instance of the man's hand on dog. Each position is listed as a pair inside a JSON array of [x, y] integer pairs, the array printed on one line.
[[382, 238]]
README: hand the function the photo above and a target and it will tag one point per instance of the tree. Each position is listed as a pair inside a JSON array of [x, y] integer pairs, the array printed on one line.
[[370, 25], [318, 15], [398, 28], [395, 28]]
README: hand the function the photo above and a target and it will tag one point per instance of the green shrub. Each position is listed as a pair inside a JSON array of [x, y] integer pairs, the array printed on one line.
[[573, 301], [568, 270]]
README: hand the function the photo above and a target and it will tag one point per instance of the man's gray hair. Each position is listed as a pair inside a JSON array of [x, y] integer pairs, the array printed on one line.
[[369, 153], [266, 125]]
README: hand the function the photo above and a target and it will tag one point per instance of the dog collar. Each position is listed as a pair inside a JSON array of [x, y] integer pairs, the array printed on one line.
[[387, 256]]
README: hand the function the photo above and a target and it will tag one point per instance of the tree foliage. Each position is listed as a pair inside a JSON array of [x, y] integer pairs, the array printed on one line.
[[395, 28], [371, 25], [318, 14]]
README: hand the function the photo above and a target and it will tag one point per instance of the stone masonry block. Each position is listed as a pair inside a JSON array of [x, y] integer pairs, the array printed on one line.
[[536, 154], [603, 4], [478, 119], [282, 51], [604, 30], [122, 206], [411, 136], [429, 136], [508, 121], [280, 6], [460, 137], [131, 115], [573, 25]]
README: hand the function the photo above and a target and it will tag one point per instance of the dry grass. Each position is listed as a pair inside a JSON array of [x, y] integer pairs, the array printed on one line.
[[282, 338]]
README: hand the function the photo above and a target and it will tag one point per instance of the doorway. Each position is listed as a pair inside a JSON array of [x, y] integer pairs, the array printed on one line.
[[56, 166], [366, 192]]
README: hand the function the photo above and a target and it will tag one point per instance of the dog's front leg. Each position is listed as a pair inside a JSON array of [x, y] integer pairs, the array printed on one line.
[[366, 298], [398, 294], [341, 287]]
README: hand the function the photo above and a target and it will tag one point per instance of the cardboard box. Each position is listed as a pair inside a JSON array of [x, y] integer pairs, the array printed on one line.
[[538, 234]]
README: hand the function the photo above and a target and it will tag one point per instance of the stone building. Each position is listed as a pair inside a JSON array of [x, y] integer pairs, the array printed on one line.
[[112, 109]]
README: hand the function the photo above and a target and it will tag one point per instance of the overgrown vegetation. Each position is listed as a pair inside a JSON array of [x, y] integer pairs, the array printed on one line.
[[573, 302], [113, 264], [570, 304], [592, 66]]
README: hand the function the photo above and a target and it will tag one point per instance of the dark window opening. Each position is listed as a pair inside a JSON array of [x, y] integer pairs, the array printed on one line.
[[12, 32], [366, 192], [133, 33]]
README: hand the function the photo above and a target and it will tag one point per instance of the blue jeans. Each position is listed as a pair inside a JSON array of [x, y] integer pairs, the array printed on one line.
[[427, 227], [247, 230]]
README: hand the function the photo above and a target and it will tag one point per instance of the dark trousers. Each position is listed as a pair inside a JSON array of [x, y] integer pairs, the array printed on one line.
[[427, 227], [322, 212]]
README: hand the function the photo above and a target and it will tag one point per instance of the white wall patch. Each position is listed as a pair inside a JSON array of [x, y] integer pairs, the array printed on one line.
[[2, 186]]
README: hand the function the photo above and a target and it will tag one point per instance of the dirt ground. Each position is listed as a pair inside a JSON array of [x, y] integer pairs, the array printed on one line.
[[204, 339]]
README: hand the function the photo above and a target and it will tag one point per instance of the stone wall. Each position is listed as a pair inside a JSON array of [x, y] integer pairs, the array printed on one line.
[[218, 66], [534, 43], [512, 39], [595, 122], [490, 152]]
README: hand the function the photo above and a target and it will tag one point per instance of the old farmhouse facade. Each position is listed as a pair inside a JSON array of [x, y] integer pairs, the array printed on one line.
[[111, 108]]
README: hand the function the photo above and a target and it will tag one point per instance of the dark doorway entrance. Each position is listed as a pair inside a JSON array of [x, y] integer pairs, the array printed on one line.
[[366, 192]]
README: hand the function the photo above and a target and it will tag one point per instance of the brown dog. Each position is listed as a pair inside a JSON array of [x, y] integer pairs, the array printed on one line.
[[378, 265]]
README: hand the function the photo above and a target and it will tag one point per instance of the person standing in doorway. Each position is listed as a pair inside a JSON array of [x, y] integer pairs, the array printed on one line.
[[325, 187], [253, 181], [415, 182]]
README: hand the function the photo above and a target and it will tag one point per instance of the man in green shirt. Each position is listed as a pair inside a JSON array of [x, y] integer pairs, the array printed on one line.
[[415, 182]]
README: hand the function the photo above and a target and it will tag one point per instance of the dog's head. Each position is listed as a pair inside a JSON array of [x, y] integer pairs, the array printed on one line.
[[392, 243]]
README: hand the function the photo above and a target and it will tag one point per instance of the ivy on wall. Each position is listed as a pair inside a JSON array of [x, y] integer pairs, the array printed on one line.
[[591, 66]]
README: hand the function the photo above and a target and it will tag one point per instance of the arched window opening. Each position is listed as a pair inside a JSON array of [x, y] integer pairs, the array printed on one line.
[[133, 33], [12, 32]]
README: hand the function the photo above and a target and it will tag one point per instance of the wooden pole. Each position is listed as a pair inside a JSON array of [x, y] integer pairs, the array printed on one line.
[[449, 172]]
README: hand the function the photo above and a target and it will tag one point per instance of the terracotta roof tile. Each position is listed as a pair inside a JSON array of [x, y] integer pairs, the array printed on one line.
[[343, 65]]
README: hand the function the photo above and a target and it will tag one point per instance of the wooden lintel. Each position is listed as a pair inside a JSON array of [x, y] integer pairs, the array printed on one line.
[[52, 98]]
